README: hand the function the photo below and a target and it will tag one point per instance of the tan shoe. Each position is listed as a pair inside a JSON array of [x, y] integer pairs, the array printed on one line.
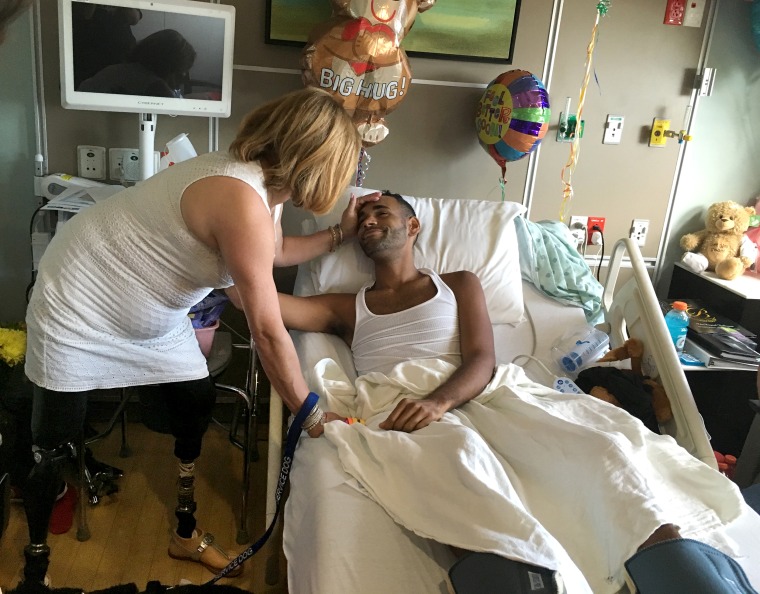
[[201, 549]]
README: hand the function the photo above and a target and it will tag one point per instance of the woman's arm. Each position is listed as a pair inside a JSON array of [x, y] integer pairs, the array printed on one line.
[[238, 224], [293, 250]]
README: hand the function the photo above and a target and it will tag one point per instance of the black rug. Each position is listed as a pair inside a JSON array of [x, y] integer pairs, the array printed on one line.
[[151, 588]]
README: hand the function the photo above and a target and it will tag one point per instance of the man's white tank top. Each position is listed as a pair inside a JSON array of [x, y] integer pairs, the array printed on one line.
[[425, 331]]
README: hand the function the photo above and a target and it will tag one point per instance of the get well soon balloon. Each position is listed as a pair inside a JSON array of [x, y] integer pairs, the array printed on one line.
[[357, 56], [512, 116]]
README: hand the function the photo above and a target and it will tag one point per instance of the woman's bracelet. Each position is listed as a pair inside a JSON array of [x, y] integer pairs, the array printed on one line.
[[336, 236], [316, 416], [313, 414], [320, 420]]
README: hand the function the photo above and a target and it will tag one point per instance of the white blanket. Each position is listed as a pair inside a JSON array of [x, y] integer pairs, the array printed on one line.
[[568, 482]]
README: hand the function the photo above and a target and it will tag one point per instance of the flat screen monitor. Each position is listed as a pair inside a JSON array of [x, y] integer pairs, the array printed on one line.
[[146, 56]]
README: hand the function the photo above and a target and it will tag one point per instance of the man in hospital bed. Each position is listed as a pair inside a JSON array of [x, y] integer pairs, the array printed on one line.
[[519, 458]]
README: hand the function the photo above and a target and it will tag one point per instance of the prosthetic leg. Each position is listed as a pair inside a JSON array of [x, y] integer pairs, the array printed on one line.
[[39, 498], [189, 405], [186, 505], [187, 542]]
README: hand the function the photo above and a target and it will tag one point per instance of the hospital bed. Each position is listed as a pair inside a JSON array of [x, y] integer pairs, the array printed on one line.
[[336, 538]]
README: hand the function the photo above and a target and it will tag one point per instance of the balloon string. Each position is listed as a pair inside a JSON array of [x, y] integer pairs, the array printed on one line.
[[361, 169], [567, 170], [503, 184]]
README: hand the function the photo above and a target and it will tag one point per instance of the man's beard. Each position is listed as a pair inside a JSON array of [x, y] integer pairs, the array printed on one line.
[[394, 237]]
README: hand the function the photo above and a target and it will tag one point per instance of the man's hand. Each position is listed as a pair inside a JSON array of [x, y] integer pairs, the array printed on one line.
[[349, 221], [410, 415]]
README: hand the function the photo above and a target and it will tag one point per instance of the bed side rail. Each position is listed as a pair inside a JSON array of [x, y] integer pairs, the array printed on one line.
[[634, 311]]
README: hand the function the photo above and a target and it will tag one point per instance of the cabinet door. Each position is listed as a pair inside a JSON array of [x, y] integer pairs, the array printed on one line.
[[722, 399]]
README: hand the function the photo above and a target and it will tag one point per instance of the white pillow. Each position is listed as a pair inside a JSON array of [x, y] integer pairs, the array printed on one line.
[[472, 235]]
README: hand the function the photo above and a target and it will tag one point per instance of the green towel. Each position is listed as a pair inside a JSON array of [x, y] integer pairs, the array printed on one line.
[[549, 260]]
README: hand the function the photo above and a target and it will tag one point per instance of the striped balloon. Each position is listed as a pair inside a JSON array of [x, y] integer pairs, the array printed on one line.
[[513, 116]]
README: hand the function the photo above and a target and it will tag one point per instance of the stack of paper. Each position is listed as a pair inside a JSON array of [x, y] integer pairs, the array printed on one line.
[[76, 194]]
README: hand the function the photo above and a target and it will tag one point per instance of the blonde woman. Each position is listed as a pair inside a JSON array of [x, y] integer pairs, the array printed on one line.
[[109, 307]]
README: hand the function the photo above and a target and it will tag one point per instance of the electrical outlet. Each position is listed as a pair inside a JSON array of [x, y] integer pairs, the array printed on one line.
[[595, 224], [578, 222], [639, 229], [579, 236], [91, 161], [674, 12], [124, 164], [657, 138], [578, 230], [613, 130]]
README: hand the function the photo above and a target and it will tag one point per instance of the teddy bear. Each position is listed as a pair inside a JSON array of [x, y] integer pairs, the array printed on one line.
[[628, 389], [722, 245]]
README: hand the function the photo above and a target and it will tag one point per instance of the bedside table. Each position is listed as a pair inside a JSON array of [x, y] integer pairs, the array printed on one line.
[[738, 299], [722, 395]]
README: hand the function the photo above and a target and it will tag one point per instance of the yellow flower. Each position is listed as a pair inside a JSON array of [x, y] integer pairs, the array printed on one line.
[[12, 346]]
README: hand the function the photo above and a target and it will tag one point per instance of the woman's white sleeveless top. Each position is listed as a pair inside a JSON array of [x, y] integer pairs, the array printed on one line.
[[425, 331], [109, 306]]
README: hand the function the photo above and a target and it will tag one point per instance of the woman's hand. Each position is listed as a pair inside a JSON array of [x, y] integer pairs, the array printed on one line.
[[319, 429], [349, 221]]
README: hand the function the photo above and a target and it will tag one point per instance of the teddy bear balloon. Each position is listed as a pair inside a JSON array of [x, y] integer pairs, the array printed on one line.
[[356, 55], [722, 245]]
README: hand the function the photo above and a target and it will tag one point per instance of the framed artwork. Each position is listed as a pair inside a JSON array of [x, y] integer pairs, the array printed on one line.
[[481, 30]]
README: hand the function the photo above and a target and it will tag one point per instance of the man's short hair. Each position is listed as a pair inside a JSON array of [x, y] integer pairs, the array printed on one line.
[[405, 206]]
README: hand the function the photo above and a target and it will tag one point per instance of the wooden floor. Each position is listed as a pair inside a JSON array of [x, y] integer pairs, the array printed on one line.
[[131, 529]]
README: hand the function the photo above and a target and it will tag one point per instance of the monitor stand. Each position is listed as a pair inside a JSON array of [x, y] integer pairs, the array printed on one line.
[[147, 142]]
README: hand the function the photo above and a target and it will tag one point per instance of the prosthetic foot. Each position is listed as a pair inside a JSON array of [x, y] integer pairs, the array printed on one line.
[[200, 547]]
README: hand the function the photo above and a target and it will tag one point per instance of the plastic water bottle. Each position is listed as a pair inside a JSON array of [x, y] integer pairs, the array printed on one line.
[[677, 321], [576, 352]]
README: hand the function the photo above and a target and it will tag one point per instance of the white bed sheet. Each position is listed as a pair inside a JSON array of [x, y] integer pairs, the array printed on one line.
[[338, 540]]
